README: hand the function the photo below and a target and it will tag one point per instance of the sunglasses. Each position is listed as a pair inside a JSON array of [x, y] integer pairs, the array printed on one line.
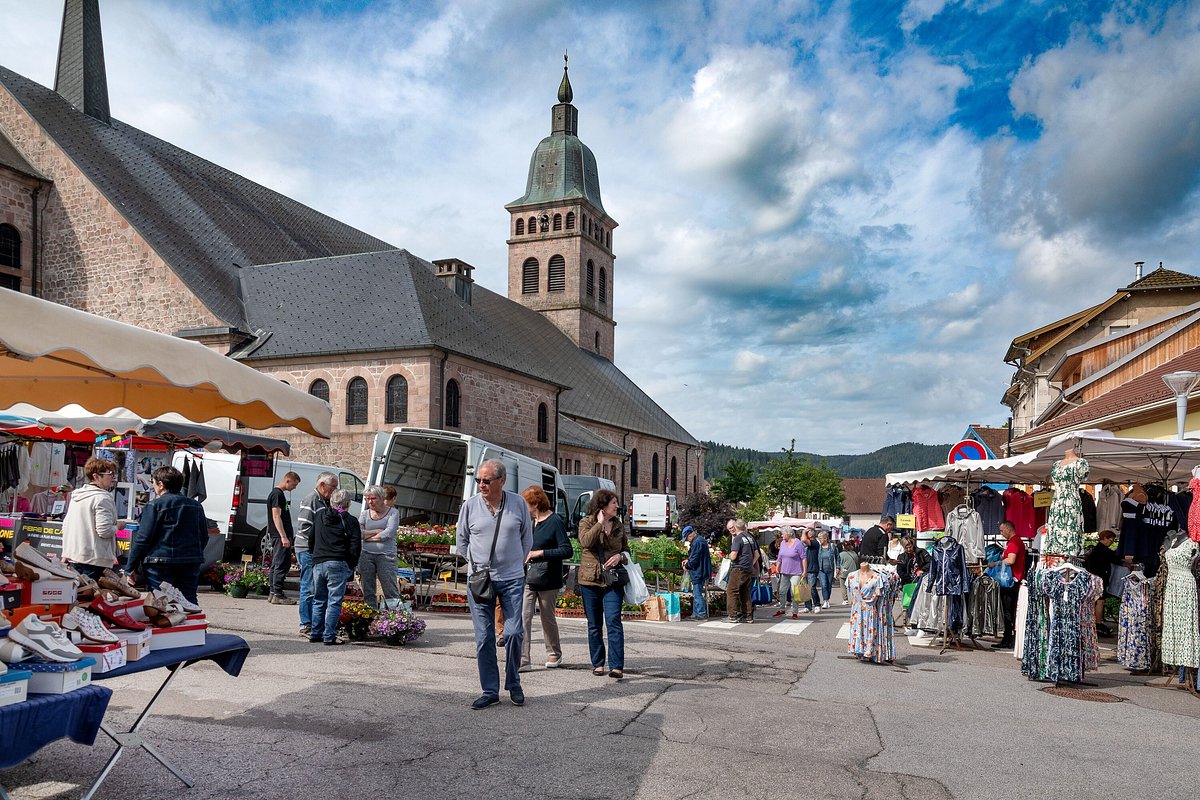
[[486, 481]]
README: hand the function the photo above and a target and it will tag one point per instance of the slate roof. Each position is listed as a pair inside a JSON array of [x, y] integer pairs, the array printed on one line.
[[864, 495], [11, 157], [422, 312], [1146, 389], [996, 439], [202, 219], [572, 434]]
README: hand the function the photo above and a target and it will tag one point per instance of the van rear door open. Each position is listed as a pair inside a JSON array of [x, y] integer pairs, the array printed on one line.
[[428, 473]]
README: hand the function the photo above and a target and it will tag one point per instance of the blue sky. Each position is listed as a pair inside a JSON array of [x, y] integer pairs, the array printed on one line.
[[833, 216]]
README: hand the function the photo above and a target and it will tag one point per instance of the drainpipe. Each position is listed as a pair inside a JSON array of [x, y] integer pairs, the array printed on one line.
[[442, 389], [624, 461], [556, 394], [33, 245]]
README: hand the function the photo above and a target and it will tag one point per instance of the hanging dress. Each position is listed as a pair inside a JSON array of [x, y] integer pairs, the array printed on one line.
[[1134, 630], [872, 629], [1037, 620], [1064, 523], [1022, 615], [1181, 628], [1193, 516], [1067, 591]]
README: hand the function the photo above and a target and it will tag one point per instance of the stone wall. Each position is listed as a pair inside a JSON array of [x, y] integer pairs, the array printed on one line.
[[92, 259], [502, 407], [16, 209]]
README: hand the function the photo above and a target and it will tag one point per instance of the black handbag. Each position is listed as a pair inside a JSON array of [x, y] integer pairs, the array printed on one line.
[[537, 575], [480, 581], [612, 577]]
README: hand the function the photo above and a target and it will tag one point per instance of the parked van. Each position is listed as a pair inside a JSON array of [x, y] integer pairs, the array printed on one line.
[[237, 487], [654, 514], [433, 472], [580, 489]]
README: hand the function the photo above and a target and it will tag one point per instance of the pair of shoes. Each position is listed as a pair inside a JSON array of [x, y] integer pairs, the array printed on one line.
[[176, 596], [483, 701], [805, 610], [88, 625], [110, 607], [733, 619], [45, 639], [499, 641], [334, 641], [305, 631], [32, 557], [553, 663], [795, 616], [616, 674], [280, 600], [315, 640], [118, 583], [816, 609], [778, 613], [517, 696], [845, 602], [825, 604], [598, 672]]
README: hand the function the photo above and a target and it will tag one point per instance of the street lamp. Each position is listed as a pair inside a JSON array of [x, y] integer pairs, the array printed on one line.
[[1180, 384]]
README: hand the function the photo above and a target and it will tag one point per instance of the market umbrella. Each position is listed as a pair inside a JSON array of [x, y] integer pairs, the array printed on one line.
[[52, 355], [145, 432]]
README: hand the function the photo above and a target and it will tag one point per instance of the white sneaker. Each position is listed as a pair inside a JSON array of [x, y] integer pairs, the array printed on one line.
[[45, 639], [816, 609], [174, 594], [804, 611], [88, 625], [13, 653], [825, 604], [845, 602]]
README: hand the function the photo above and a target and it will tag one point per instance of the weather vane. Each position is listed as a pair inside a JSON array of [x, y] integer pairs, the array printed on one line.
[[565, 59]]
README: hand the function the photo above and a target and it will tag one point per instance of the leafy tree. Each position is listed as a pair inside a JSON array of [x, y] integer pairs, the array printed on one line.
[[738, 485], [707, 513], [790, 480]]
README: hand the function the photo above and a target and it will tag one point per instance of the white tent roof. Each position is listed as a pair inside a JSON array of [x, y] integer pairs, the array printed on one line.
[[1108, 457]]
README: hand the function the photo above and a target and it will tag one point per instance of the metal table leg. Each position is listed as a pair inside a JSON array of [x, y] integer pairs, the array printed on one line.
[[132, 738]]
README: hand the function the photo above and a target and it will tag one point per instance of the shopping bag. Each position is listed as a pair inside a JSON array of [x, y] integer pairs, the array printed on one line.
[[760, 594], [722, 579], [671, 605], [656, 609], [685, 585], [908, 593], [1005, 576], [803, 593], [635, 591]]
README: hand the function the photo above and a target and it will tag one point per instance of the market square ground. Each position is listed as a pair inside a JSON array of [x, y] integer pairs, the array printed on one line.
[[703, 713]]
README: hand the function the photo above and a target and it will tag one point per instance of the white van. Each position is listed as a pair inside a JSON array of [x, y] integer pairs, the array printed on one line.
[[237, 487], [433, 472], [654, 514]]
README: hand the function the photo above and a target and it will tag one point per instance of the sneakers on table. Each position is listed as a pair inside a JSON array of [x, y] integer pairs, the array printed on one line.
[[88, 625], [45, 639], [13, 653], [31, 556], [172, 593]]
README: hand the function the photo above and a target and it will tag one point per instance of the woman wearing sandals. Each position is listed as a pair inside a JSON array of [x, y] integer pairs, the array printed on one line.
[[603, 540], [543, 576]]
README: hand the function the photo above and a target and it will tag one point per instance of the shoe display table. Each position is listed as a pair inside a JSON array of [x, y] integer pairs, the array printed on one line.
[[226, 650], [27, 727]]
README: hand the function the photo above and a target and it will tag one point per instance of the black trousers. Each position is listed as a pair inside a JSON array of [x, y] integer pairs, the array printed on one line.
[[1008, 604], [281, 562]]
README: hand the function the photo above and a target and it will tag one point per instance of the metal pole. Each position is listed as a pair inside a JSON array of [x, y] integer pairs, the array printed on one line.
[[1181, 413]]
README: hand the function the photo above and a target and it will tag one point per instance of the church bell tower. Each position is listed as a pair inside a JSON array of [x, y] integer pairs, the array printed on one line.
[[560, 258]]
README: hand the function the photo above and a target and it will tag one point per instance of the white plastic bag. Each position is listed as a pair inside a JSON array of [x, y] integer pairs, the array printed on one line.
[[636, 592], [722, 579]]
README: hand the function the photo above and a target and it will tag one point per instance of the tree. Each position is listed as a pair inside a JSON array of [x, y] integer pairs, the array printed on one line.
[[738, 484], [707, 513], [789, 481]]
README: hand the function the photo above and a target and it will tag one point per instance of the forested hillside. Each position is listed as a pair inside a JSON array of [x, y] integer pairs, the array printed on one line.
[[893, 458]]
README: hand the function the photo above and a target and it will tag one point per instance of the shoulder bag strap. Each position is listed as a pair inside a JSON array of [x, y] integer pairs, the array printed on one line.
[[495, 535]]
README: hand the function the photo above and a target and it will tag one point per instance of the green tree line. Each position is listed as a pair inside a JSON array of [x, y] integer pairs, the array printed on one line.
[[893, 458]]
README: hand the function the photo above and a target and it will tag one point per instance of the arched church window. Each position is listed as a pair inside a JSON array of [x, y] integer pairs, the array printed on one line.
[[453, 404], [532, 225], [319, 389], [529, 276], [556, 274], [397, 400], [356, 402], [590, 279], [520, 226], [558, 222], [543, 424], [570, 220], [10, 247], [633, 467], [603, 285]]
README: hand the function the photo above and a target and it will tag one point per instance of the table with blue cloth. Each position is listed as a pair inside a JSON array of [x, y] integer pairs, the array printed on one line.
[[27, 727]]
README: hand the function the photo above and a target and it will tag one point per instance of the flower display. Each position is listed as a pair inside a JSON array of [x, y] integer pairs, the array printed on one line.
[[356, 618], [408, 535], [396, 627]]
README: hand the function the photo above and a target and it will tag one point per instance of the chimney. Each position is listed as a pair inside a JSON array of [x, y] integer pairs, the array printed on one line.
[[1137, 270], [456, 274]]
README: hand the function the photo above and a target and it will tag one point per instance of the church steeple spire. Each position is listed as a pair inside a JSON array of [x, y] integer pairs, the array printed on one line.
[[564, 117], [80, 76]]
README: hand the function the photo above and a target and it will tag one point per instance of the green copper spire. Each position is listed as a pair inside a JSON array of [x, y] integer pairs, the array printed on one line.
[[565, 95]]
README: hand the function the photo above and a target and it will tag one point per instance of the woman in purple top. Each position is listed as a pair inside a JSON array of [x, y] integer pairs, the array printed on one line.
[[791, 572]]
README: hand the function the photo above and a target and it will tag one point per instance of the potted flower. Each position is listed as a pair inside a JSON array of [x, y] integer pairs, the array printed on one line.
[[356, 619], [257, 578], [396, 627], [237, 583], [569, 605]]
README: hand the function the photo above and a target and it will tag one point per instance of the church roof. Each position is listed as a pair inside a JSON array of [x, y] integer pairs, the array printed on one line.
[[301, 304], [572, 434], [202, 219], [11, 157]]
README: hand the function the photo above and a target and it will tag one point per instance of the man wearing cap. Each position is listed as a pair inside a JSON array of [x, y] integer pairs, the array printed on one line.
[[699, 567]]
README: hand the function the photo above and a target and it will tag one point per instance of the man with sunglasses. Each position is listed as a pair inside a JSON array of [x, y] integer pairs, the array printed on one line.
[[500, 517], [90, 527]]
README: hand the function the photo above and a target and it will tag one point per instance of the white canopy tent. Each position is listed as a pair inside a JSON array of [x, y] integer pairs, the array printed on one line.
[[1108, 457]]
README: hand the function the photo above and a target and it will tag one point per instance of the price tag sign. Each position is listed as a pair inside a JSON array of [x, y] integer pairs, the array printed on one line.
[[1042, 499], [906, 521]]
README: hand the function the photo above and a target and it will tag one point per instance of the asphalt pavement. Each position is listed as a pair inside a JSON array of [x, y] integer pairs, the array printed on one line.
[[770, 710]]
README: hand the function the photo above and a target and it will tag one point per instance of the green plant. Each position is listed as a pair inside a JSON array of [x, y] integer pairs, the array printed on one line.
[[356, 618], [569, 601]]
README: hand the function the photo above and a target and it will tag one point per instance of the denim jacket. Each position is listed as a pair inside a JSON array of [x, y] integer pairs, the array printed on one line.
[[172, 530]]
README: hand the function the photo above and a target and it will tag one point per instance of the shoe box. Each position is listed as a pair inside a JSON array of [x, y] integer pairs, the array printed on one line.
[[10, 595], [189, 634], [107, 656], [13, 616], [137, 643], [53, 591], [58, 678], [14, 687]]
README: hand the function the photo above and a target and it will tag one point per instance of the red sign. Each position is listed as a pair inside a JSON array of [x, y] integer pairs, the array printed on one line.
[[967, 448]]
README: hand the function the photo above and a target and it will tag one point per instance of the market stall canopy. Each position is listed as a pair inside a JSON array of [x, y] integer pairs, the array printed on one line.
[[1109, 458], [54, 355], [153, 431], [794, 522]]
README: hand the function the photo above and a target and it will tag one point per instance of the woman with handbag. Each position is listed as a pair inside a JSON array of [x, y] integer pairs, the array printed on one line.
[[543, 576], [602, 578]]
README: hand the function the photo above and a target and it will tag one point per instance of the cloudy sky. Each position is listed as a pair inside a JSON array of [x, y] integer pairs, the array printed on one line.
[[833, 216]]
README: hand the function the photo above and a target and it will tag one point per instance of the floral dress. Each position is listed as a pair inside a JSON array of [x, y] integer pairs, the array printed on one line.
[[1134, 632], [1064, 523], [1181, 628], [872, 628], [1066, 656]]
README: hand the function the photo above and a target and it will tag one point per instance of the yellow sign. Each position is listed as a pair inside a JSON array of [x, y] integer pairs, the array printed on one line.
[[906, 521], [1042, 499]]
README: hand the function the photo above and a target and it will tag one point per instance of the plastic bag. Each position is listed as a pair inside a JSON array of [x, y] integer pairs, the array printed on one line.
[[635, 591], [721, 581], [671, 604]]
